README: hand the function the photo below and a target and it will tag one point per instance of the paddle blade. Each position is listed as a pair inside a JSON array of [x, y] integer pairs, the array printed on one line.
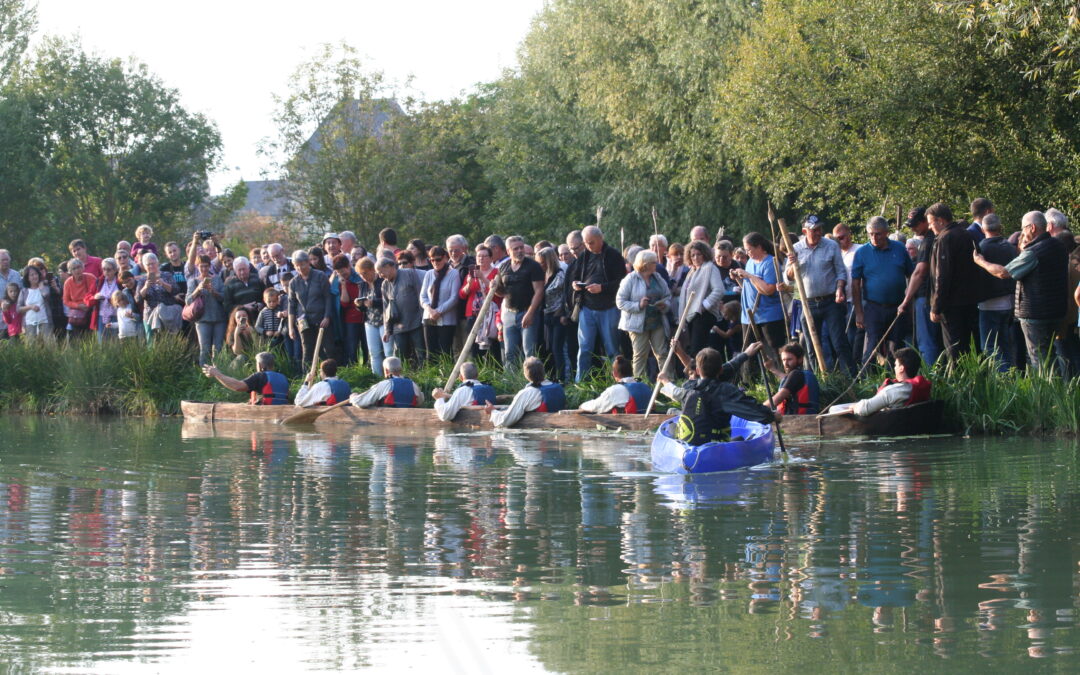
[[305, 416]]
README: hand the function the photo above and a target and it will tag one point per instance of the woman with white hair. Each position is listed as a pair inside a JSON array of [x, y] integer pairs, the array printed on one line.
[[643, 300]]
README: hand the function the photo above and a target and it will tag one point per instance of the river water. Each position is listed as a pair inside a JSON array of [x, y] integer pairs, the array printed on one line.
[[151, 545]]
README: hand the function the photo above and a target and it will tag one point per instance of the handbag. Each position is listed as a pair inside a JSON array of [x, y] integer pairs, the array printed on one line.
[[194, 310], [79, 318]]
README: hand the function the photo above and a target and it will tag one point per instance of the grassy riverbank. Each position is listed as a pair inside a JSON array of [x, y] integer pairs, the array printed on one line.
[[130, 379]]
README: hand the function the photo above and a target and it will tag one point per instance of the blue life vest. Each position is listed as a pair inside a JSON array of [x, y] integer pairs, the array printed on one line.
[[339, 391], [402, 393], [640, 393], [553, 397], [274, 392], [482, 393]]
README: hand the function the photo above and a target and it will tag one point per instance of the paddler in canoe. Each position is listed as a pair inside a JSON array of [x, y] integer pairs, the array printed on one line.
[[628, 395], [798, 390], [396, 391], [908, 388], [266, 385], [330, 390], [471, 391], [709, 401], [539, 394]]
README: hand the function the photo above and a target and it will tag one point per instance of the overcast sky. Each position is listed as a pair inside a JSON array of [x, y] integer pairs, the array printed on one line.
[[228, 56]]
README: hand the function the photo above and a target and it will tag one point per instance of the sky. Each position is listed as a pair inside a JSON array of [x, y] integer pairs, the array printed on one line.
[[228, 57]]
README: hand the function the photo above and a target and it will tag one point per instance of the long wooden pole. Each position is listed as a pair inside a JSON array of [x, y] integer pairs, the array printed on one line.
[[671, 352], [655, 223], [810, 323], [776, 268], [480, 316], [768, 385]]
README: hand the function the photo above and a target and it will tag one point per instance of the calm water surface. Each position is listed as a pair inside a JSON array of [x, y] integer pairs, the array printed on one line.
[[132, 546]]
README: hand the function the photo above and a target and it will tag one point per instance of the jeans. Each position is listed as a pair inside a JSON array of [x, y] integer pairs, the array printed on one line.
[[211, 337], [1039, 336], [555, 342], [377, 349], [927, 333], [593, 323], [856, 336], [351, 332], [959, 327], [876, 320], [1069, 348], [518, 340], [829, 316], [409, 346], [995, 335]]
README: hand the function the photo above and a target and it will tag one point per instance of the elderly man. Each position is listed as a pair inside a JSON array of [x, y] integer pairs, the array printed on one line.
[[266, 386], [91, 264], [996, 312], [471, 392], [879, 279], [331, 244], [575, 243], [592, 282], [8, 275], [1042, 274], [309, 307], [348, 243], [958, 283], [821, 264], [402, 313], [396, 391], [498, 249], [243, 289], [457, 246], [1056, 222], [270, 274], [520, 282], [699, 233]]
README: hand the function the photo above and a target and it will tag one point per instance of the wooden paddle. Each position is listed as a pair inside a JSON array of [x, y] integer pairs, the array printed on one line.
[[315, 357], [480, 316], [768, 385], [671, 352], [309, 415]]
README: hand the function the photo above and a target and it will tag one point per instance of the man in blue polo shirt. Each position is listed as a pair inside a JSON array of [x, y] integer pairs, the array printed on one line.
[[879, 282]]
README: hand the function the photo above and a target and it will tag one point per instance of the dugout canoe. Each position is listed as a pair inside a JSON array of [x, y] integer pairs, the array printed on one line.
[[414, 418], [914, 420], [671, 455]]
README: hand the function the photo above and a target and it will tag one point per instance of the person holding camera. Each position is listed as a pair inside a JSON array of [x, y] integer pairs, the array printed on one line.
[[211, 325], [643, 300], [309, 307]]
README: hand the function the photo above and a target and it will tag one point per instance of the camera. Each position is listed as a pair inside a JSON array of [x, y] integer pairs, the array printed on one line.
[[204, 234]]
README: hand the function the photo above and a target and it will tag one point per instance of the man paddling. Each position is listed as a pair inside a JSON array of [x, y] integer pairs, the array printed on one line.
[[627, 395], [908, 388], [266, 386], [540, 395], [470, 392], [708, 403], [396, 391], [329, 391], [798, 391]]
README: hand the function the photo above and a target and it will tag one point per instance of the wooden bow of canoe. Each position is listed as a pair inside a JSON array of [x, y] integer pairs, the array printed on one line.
[[913, 420], [469, 417]]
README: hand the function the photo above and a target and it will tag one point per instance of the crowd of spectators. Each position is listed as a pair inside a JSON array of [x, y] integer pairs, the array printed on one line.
[[947, 287]]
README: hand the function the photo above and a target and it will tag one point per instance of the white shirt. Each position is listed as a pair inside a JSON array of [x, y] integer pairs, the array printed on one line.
[[318, 393], [128, 327], [892, 396], [849, 260], [34, 297], [448, 408], [526, 400], [380, 391], [615, 396]]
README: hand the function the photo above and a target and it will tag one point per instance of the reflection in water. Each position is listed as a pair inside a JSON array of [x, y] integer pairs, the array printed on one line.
[[120, 544]]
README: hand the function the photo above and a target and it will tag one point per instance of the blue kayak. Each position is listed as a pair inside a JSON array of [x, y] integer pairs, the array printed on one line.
[[671, 455]]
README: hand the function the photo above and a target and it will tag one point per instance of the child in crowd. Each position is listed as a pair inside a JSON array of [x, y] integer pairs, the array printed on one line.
[[127, 280], [128, 323], [728, 331], [269, 323], [238, 334], [10, 305], [143, 234]]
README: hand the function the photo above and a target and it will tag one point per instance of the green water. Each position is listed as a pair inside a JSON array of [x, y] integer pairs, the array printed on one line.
[[135, 546]]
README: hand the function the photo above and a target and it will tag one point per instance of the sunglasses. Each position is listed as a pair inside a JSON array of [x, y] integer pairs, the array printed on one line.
[[439, 259]]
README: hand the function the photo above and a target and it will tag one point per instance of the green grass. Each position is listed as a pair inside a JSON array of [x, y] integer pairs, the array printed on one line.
[[128, 378]]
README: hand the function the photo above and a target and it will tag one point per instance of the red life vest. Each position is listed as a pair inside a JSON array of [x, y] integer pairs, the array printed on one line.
[[920, 388], [274, 392], [805, 400], [640, 393]]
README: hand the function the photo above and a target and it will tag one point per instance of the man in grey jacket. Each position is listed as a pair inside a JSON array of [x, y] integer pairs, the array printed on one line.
[[309, 307], [402, 313]]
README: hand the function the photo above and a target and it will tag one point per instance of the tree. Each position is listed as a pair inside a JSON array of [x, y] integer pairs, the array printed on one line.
[[94, 147], [17, 24]]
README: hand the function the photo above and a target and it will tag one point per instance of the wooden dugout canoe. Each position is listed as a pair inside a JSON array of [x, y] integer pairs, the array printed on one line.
[[915, 420], [415, 418]]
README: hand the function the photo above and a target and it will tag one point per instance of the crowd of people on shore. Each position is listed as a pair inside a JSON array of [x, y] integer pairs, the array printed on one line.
[[944, 288]]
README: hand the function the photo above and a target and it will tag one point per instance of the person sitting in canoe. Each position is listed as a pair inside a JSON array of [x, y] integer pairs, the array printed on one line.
[[329, 391], [266, 386], [471, 392], [798, 391], [540, 395], [709, 402], [908, 388], [395, 391], [627, 395]]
